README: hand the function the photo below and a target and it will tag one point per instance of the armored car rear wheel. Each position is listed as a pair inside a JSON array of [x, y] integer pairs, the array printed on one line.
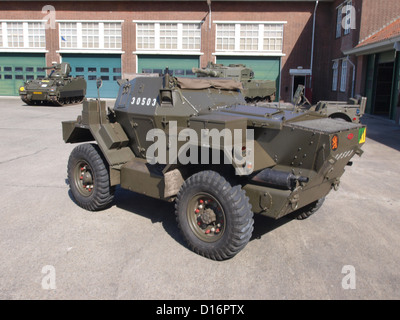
[[308, 210], [214, 217], [89, 179]]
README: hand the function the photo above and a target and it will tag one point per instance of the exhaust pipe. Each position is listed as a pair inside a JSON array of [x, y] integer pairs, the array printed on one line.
[[279, 179]]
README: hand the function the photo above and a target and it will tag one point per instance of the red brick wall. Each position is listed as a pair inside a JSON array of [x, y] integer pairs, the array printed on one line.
[[377, 14], [297, 31]]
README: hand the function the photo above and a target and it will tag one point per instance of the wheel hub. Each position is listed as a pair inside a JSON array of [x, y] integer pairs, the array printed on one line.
[[208, 219], [85, 180], [208, 216]]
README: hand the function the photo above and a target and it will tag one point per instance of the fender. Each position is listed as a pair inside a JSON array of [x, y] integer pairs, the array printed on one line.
[[93, 125]]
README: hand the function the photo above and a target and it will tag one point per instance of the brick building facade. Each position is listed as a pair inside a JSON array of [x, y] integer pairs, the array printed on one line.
[[292, 42], [271, 36]]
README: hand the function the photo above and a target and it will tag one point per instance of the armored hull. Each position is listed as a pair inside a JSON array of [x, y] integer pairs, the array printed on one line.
[[161, 138]]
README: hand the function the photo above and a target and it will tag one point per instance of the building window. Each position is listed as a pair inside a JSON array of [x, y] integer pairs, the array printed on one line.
[[90, 35], [339, 22], [168, 36], [346, 9], [348, 17], [36, 35], [112, 35], [343, 76], [226, 37], [249, 37], [191, 36], [335, 69], [273, 37], [145, 36], [245, 37], [69, 35], [15, 35], [22, 34]]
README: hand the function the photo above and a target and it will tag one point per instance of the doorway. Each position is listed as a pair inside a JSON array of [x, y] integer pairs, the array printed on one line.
[[383, 89], [298, 80]]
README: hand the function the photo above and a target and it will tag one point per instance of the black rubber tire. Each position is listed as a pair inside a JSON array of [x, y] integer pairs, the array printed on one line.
[[238, 217], [101, 194], [341, 118], [308, 210]]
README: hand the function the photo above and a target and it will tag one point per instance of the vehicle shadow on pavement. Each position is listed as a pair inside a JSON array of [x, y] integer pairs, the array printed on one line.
[[157, 211], [264, 225]]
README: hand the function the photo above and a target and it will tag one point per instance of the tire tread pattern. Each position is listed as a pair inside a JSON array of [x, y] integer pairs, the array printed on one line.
[[238, 230], [103, 193]]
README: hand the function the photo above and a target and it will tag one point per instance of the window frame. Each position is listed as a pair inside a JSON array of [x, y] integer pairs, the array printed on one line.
[[159, 36], [25, 32], [335, 75], [261, 36], [104, 41], [339, 17], [348, 4], [343, 76]]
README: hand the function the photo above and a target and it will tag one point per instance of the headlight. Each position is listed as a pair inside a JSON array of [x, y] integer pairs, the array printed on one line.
[[21, 89]]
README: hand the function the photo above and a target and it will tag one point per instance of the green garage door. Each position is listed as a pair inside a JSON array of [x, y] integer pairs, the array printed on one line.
[[93, 66], [16, 68], [179, 66], [265, 68]]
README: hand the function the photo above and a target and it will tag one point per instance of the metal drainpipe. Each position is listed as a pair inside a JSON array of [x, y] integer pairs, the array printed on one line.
[[312, 41], [354, 76], [209, 11]]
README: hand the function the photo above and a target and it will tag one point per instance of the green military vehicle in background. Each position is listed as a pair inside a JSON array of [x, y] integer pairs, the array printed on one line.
[[253, 90], [280, 161], [58, 88]]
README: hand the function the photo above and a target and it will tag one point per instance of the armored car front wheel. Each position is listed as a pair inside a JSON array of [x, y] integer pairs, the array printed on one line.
[[89, 179], [214, 217]]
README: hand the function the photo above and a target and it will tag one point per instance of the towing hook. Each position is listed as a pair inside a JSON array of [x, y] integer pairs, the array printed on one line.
[[336, 184]]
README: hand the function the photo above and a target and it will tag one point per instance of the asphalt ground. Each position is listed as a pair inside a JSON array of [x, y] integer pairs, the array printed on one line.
[[52, 249]]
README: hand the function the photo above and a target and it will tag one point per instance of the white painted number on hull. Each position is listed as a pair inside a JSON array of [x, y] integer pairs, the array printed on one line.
[[144, 101]]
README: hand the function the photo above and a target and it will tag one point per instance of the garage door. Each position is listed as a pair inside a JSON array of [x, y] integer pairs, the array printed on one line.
[[93, 66], [265, 68], [16, 68], [180, 66]]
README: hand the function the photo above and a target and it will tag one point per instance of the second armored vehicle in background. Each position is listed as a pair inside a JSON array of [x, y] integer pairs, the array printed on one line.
[[253, 90], [58, 88]]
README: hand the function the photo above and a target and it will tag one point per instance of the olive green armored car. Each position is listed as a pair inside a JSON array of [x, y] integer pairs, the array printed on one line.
[[57, 88], [195, 142], [253, 90]]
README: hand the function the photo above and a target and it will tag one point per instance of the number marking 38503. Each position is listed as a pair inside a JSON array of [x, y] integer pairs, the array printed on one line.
[[142, 101]]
